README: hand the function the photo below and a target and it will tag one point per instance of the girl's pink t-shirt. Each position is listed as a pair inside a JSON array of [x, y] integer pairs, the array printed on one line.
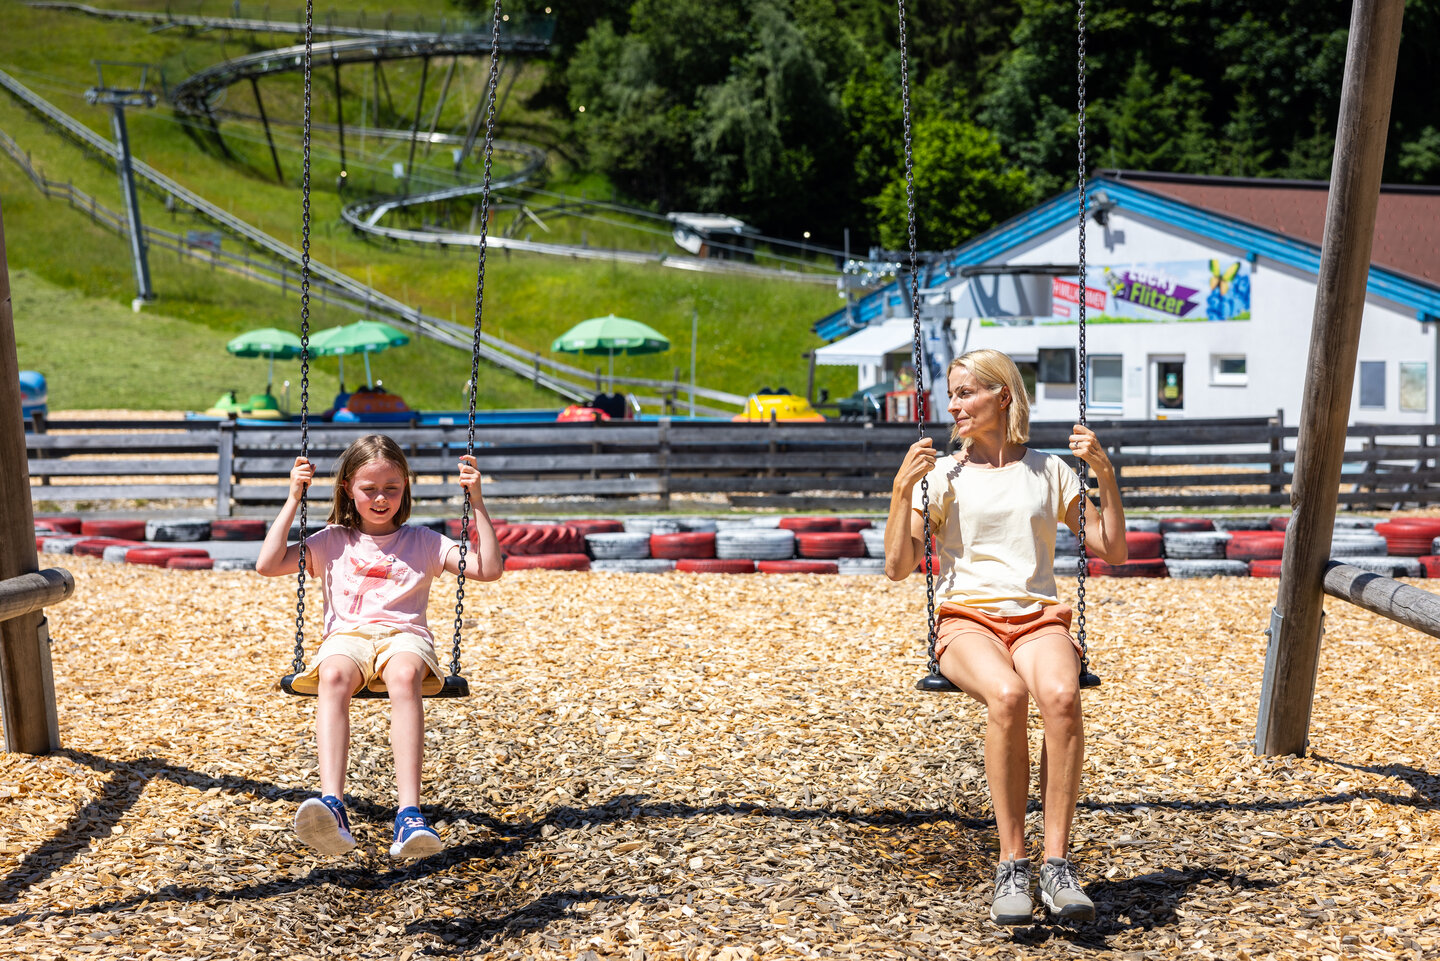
[[381, 580]]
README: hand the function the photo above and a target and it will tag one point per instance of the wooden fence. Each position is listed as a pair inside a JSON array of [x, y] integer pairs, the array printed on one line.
[[630, 466]]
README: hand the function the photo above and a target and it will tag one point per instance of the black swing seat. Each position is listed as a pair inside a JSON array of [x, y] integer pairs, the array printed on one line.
[[455, 686], [940, 684]]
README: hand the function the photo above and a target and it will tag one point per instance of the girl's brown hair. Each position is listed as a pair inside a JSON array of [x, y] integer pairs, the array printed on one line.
[[357, 455], [998, 372]]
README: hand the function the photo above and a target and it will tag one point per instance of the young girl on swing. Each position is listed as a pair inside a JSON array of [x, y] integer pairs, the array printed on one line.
[[375, 574], [1002, 635]]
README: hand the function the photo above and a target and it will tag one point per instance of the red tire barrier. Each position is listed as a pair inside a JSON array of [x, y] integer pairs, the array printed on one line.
[[1255, 545], [1279, 523], [539, 539], [855, 524], [1430, 565], [70, 525], [1151, 567], [1144, 545], [1172, 525], [238, 529], [809, 523], [686, 544], [95, 546], [797, 567], [822, 544], [701, 565], [187, 563], [547, 562], [1409, 536], [160, 556], [597, 526], [128, 530], [1265, 568]]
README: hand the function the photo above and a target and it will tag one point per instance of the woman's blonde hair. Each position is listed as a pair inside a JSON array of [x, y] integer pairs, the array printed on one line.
[[997, 372], [364, 450]]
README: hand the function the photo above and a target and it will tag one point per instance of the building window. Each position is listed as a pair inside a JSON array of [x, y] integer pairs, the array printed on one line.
[[1107, 380], [1372, 383], [1228, 370], [1413, 377]]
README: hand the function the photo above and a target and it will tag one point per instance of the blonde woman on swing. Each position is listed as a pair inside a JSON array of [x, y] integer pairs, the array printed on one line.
[[1002, 635]]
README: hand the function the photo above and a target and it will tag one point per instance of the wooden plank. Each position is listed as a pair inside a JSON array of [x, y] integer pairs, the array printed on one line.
[[1256, 458], [123, 468], [777, 484], [122, 443], [1205, 500], [1387, 498], [1133, 482], [798, 504], [35, 591], [1390, 598], [71, 493], [276, 494]]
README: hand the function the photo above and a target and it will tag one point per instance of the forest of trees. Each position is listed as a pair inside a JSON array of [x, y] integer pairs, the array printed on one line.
[[787, 113]]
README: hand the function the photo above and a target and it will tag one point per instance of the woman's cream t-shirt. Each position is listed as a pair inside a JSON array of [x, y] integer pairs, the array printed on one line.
[[995, 530]]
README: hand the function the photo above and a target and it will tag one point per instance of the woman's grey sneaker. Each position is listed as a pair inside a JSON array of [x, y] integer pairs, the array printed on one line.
[[323, 824], [1060, 890], [1011, 904]]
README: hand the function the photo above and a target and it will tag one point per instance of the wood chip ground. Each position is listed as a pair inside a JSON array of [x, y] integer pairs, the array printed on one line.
[[710, 768]]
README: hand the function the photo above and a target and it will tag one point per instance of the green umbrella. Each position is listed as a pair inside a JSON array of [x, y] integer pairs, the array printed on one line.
[[362, 337], [265, 342], [611, 335]]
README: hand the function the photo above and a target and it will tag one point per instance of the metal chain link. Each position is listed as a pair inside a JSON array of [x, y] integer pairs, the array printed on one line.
[[298, 664], [921, 398], [479, 311], [1082, 469]]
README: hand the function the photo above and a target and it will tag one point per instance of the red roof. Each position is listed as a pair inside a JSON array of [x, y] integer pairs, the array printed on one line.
[[1407, 220]]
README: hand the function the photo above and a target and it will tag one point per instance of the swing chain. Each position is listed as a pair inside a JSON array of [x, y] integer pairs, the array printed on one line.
[[1082, 469], [921, 398], [298, 664], [479, 310]]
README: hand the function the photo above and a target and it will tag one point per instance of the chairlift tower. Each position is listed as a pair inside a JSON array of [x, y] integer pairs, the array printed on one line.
[[119, 98]]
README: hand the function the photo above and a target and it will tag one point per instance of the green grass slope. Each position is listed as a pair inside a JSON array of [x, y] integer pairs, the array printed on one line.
[[751, 332]]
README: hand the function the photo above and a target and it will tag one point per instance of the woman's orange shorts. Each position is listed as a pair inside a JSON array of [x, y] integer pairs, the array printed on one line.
[[1008, 633]]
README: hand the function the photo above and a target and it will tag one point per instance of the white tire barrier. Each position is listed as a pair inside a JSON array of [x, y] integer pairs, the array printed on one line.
[[1147, 524], [634, 565], [760, 544], [1196, 545], [1249, 522], [629, 545], [874, 541], [178, 530], [1388, 566], [1206, 568], [860, 565], [1357, 544]]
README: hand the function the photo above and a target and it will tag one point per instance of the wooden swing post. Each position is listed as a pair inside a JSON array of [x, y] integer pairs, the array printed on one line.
[[1292, 658], [27, 687]]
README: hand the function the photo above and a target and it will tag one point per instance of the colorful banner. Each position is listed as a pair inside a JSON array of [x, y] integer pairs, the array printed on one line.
[[1181, 290]]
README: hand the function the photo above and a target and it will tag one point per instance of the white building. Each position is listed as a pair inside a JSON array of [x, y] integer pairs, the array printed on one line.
[[1200, 294]]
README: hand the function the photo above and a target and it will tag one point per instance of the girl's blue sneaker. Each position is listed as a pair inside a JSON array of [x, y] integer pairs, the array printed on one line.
[[414, 838], [323, 824]]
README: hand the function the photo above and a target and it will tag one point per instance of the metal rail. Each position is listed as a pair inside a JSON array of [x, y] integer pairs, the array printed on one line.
[[266, 24]]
